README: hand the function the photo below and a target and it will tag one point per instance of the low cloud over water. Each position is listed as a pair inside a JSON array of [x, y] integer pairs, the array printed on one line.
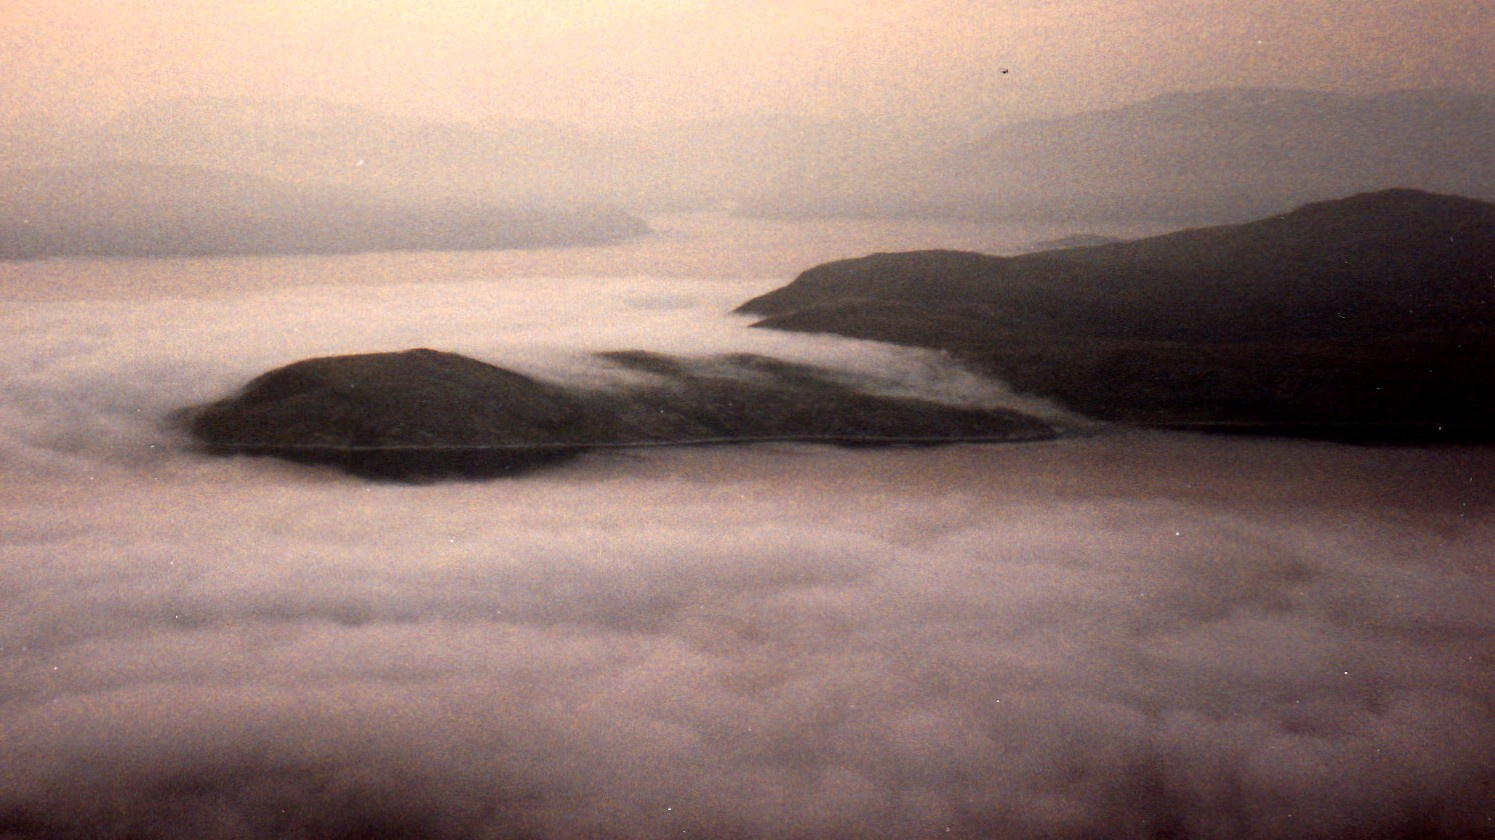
[[1122, 635]]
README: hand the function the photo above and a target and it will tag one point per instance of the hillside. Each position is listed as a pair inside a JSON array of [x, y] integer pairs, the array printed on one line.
[[1370, 312], [423, 414]]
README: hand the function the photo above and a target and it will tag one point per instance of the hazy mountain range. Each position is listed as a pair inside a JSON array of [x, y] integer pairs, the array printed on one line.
[[1194, 158], [159, 210], [676, 166]]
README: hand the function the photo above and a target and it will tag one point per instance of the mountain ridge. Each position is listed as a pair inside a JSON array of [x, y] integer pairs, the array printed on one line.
[[1213, 156], [1189, 157]]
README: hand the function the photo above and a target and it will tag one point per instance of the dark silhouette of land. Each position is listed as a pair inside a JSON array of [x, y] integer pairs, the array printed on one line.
[[1365, 318], [423, 414]]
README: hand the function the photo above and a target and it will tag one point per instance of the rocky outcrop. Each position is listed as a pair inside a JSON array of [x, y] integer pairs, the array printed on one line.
[[427, 414]]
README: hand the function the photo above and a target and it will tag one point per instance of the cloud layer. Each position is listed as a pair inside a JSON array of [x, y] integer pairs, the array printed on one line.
[[1122, 635]]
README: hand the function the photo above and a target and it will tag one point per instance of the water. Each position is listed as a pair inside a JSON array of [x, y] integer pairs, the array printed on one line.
[[1119, 635]]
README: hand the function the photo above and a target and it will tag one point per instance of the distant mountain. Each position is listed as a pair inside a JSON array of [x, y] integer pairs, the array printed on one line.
[[318, 142], [146, 210], [1203, 157], [684, 165], [1190, 158], [1370, 312]]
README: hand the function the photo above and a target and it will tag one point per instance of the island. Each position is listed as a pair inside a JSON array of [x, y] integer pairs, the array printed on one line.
[[423, 414]]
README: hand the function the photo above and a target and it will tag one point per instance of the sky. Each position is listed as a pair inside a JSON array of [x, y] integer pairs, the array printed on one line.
[[1126, 635], [620, 62]]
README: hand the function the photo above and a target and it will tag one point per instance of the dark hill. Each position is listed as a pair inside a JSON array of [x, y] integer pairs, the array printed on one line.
[[1371, 312], [423, 414]]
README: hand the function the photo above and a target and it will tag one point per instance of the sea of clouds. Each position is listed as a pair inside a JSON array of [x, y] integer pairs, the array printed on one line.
[[1115, 635]]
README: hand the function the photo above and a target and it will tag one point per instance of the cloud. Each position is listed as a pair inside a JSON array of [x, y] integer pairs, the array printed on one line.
[[1122, 635]]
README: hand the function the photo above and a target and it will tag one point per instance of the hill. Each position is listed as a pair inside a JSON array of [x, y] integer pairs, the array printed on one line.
[[669, 166], [423, 414], [1364, 316]]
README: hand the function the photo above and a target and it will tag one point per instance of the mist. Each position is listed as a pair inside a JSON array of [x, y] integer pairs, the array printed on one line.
[[1121, 634], [1113, 634]]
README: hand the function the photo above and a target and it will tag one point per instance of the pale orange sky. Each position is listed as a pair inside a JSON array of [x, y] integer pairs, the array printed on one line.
[[603, 61]]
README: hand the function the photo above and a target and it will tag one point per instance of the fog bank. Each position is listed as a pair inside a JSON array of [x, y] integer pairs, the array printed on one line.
[[1121, 635]]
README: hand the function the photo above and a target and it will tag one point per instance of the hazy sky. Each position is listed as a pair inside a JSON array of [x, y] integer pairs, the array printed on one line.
[[649, 60]]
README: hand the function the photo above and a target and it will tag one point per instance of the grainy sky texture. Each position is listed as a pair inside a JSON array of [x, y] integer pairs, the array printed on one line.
[[630, 61]]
